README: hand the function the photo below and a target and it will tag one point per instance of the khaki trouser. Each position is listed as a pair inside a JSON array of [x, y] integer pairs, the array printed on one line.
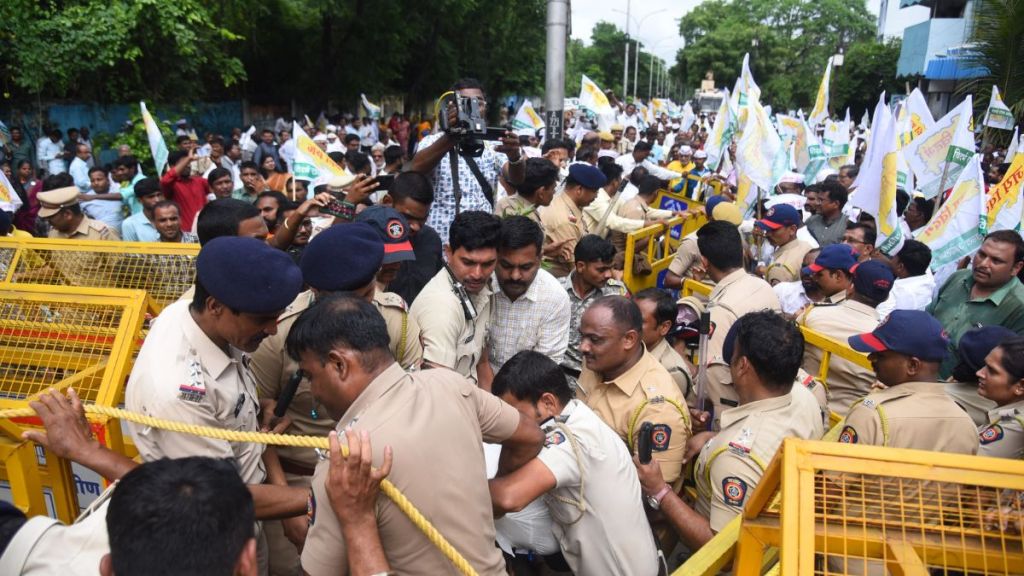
[[284, 557]]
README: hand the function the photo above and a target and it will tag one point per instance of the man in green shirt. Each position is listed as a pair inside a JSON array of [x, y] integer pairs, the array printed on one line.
[[987, 294]]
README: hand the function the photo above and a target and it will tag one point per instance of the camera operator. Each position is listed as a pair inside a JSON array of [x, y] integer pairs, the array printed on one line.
[[437, 157]]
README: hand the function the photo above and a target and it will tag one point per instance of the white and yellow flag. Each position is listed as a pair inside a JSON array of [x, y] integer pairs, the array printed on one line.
[[748, 89], [9, 199], [760, 155], [914, 118], [820, 111], [1004, 205], [312, 163], [593, 99], [1014, 147], [876, 184], [998, 114], [527, 121], [942, 151], [721, 133], [157, 146], [958, 227]]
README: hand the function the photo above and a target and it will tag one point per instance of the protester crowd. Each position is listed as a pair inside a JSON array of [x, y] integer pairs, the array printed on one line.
[[464, 327]]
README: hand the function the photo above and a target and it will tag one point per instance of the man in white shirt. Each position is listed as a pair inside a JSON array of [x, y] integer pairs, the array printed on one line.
[[631, 118], [79, 169], [914, 283], [51, 154], [532, 310], [639, 157], [583, 474]]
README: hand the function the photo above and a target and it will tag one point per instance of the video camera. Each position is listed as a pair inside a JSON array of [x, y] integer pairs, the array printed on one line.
[[471, 127]]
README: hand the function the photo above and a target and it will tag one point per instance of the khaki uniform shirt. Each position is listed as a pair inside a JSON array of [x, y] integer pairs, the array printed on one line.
[[272, 368], [686, 257], [436, 422], [676, 366], [646, 384], [596, 498], [84, 268], [1003, 437], [516, 205], [787, 262], [965, 394], [737, 294], [449, 339], [847, 382], [182, 375], [731, 464], [563, 220], [916, 415]]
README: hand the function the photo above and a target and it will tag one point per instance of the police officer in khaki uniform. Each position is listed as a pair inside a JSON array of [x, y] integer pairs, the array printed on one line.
[[659, 313], [354, 253], [626, 386], [765, 351], [856, 314], [434, 420], [563, 220], [1001, 380], [454, 308], [972, 349], [687, 258], [583, 475], [780, 224], [914, 411], [736, 293], [832, 271], [194, 367], [61, 209]]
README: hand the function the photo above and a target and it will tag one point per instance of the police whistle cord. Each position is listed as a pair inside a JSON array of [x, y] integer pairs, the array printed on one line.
[[389, 489]]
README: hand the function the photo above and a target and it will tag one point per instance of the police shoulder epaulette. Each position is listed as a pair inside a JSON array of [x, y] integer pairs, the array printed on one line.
[[393, 300]]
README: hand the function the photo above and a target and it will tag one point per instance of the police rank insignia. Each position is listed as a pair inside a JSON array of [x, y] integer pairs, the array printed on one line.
[[194, 390], [734, 490], [993, 433], [848, 435], [661, 434], [554, 438]]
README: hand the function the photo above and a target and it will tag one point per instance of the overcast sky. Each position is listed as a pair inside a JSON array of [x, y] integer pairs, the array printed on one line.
[[659, 20]]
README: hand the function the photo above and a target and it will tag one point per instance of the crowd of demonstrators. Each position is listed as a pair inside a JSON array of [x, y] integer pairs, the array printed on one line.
[[469, 316]]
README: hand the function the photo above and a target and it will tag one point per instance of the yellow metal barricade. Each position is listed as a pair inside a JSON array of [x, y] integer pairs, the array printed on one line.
[[165, 271], [832, 508], [660, 254], [60, 337]]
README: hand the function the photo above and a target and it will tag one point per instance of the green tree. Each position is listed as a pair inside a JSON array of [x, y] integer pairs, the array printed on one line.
[[124, 49], [998, 49], [868, 69], [789, 42]]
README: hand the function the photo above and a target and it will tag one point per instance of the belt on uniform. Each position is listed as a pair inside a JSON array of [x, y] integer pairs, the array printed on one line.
[[571, 372], [296, 468]]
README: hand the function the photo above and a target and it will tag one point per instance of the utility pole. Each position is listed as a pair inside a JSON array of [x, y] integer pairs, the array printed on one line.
[[554, 78], [636, 65], [625, 64], [650, 79]]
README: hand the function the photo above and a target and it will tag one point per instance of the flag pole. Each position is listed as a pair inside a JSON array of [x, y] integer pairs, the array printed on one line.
[[942, 185]]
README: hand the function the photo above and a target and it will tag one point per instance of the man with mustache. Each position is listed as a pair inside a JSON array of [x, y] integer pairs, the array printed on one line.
[[986, 294], [531, 311], [454, 308], [194, 367]]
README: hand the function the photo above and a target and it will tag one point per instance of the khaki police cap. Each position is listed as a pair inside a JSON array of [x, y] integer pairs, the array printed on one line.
[[336, 184], [51, 201], [606, 136]]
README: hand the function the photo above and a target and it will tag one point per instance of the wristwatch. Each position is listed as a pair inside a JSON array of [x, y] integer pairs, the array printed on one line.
[[655, 501]]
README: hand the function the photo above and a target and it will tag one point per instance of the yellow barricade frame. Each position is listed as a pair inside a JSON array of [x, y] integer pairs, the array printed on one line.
[[786, 513], [165, 270], [99, 371], [651, 234]]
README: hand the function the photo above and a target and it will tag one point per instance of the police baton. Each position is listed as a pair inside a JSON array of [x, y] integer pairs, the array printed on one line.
[[287, 393]]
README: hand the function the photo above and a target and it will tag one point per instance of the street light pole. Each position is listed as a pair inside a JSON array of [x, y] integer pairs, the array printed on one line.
[[650, 78], [625, 63], [636, 64], [554, 80]]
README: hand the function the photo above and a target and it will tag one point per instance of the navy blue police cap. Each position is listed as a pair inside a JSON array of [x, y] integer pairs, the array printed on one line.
[[587, 176], [246, 275], [343, 257]]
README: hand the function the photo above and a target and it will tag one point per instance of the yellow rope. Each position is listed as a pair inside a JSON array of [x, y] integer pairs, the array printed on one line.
[[389, 489]]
